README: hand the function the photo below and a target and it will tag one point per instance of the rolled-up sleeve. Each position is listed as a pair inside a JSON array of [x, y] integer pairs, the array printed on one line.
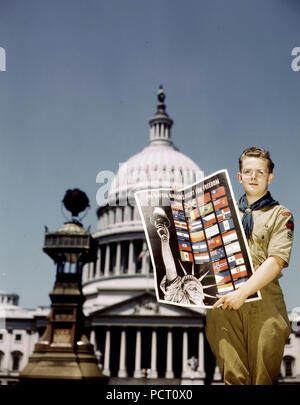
[[281, 240]]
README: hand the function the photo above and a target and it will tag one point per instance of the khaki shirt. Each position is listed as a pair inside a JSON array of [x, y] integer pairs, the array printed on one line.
[[272, 234]]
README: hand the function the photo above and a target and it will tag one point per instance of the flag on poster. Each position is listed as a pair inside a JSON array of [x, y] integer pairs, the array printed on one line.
[[222, 202], [217, 254], [195, 225], [206, 209], [203, 198], [209, 220], [239, 282], [184, 246], [199, 247], [229, 236], [225, 288], [190, 203], [183, 235], [220, 265], [186, 256], [212, 231], [226, 225], [201, 258], [235, 260], [214, 242], [194, 214], [197, 236], [225, 213], [177, 205], [232, 248], [178, 214], [223, 278], [239, 272], [180, 225], [218, 192]]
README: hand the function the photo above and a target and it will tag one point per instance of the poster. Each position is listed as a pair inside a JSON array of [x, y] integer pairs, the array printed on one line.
[[196, 241]]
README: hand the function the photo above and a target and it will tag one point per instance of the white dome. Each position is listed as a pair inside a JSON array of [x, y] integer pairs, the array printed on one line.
[[158, 165]]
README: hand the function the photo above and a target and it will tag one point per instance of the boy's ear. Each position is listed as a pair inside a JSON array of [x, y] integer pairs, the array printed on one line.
[[271, 178], [239, 177]]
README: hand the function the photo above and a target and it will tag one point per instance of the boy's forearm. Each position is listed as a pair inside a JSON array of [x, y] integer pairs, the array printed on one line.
[[266, 272]]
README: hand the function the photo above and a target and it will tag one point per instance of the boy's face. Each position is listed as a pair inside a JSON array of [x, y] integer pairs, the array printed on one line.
[[255, 177]]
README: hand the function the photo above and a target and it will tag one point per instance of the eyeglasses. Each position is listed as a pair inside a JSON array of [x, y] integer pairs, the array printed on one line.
[[256, 173]]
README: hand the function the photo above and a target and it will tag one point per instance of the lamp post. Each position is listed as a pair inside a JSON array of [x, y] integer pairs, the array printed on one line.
[[64, 353]]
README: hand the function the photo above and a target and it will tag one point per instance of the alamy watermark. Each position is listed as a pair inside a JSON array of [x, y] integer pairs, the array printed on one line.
[[2, 59], [118, 190], [295, 65]]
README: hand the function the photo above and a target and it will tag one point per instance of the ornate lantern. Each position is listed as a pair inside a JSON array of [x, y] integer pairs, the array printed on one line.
[[64, 352]]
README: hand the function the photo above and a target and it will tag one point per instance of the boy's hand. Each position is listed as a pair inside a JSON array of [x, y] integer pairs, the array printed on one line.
[[233, 300]]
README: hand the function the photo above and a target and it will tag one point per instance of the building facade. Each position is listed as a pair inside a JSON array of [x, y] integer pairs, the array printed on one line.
[[20, 329]]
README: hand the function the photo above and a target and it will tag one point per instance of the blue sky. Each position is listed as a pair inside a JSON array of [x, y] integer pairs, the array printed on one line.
[[80, 86]]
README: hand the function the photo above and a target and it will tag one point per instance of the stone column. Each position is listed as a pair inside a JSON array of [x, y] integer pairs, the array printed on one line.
[[131, 264], [85, 272], [98, 263], [92, 270], [118, 215], [106, 369], [93, 339], [111, 215], [122, 364], [153, 370], [217, 375], [138, 355], [201, 369], [126, 213], [118, 259], [106, 219], [7, 356], [107, 260], [169, 370], [184, 353], [88, 265]]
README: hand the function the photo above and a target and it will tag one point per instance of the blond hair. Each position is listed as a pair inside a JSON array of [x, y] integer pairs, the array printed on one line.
[[258, 153]]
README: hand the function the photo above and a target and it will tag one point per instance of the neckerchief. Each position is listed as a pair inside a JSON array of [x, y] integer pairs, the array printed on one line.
[[247, 219]]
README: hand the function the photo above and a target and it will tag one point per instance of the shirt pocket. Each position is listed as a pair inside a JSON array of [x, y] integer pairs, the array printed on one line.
[[261, 237], [259, 244]]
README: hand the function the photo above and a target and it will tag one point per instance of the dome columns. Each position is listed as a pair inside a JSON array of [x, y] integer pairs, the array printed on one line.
[[119, 258], [160, 124]]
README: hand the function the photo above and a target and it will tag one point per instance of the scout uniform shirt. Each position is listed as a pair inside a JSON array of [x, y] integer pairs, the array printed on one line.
[[249, 342], [272, 234]]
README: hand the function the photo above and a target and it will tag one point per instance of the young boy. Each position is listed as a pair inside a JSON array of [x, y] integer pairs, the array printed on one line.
[[248, 338]]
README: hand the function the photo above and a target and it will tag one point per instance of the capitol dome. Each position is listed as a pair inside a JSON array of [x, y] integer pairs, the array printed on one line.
[[123, 268], [159, 164]]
